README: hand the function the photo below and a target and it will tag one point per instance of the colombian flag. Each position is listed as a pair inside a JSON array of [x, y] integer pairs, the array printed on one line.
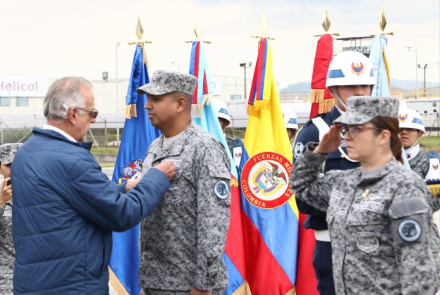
[[269, 216]]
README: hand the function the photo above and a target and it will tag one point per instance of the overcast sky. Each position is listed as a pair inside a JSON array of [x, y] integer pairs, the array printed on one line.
[[56, 38]]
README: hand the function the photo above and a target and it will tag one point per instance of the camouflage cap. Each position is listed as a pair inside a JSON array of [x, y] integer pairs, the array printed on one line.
[[8, 151], [164, 82], [362, 109]]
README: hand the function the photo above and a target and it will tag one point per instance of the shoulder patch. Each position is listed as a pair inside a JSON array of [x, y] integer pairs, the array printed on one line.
[[221, 189], [410, 230]]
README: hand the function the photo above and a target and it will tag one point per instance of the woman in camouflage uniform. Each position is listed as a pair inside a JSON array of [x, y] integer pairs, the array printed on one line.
[[379, 214], [7, 253]]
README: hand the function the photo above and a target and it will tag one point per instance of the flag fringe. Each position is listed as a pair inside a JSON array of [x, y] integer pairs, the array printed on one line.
[[317, 95], [130, 111], [133, 111], [326, 105], [435, 189], [196, 110], [254, 110], [127, 111], [116, 284], [291, 292], [243, 289]]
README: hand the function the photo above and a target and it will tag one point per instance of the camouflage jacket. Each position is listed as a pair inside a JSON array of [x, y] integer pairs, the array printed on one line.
[[379, 226], [7, 252], [183, 240], [419, 164]]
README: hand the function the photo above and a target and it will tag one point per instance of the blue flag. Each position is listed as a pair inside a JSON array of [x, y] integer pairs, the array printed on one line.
[[378, 58], [137, 136]]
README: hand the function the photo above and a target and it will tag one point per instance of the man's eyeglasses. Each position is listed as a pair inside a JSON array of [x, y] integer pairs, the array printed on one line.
[[353, 130], [94, 112]]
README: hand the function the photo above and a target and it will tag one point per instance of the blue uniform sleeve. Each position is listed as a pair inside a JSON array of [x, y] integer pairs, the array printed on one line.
[[105, 203], [309, 133]]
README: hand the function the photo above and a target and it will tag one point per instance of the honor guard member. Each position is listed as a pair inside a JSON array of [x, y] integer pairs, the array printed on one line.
[[7, 252], [349, 74], [182, 242], [378, 214], [291, 122], [411, 130], [224, 118], [235, 144]]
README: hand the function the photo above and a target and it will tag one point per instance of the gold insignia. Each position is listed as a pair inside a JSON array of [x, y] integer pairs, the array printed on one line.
[[366, 193]]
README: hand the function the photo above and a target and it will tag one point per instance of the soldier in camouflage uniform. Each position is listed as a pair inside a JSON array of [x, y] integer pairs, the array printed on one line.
[[379, 214], [7, 252], [183, 240], [411, 130]]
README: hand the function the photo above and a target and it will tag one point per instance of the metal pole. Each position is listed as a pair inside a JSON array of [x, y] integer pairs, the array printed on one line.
[[117, 100], [424, 78], [244, 82], [106, 133], [417, 77]]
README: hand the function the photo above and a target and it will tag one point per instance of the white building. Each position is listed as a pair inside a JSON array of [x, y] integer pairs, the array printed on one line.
[[23, 95]]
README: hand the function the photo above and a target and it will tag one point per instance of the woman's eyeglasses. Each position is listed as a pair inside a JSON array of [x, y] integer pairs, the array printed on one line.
[[94, 112], [353, 130]]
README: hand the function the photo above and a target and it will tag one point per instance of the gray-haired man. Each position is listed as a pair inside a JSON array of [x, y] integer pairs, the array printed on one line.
[[183, 240], [65, 208]]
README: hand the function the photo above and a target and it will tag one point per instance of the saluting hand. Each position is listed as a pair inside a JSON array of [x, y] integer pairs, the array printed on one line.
[[168, 168], [6, 192], [330, 142]]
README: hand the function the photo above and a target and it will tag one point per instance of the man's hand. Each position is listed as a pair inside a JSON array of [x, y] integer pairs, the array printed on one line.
[[168, 168], [196, 291], [131, 184], [6, 192], [330, 142]]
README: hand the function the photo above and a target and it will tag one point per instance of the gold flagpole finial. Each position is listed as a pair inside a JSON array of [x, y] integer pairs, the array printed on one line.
[[383, 23], [139, 34], [326, 23], [198, 31], [263, 29], [139, 29]]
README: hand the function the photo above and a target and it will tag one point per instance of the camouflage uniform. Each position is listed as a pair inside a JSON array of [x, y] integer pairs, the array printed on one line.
[[7, 252], [183, 240], [419, 165], [369, 215]]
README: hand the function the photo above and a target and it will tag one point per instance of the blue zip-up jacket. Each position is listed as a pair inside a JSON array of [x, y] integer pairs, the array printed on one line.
[[64, 212]]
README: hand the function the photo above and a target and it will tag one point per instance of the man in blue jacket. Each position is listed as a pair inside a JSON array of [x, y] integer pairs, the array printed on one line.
[[65, 208], [349, 74]]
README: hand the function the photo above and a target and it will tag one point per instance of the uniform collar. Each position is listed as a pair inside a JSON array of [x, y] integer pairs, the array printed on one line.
[[334, 113], [380, 172], [178, 144]]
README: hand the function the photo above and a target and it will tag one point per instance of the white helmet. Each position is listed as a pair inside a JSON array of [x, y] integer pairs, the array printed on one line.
[[290, 118], [350, 68], [221, 109], [409, 118]]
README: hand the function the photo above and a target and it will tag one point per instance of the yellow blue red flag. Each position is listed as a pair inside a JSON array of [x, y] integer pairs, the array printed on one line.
[[269, 212]]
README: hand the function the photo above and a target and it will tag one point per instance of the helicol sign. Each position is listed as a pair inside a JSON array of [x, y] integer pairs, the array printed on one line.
[[23, 86]]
